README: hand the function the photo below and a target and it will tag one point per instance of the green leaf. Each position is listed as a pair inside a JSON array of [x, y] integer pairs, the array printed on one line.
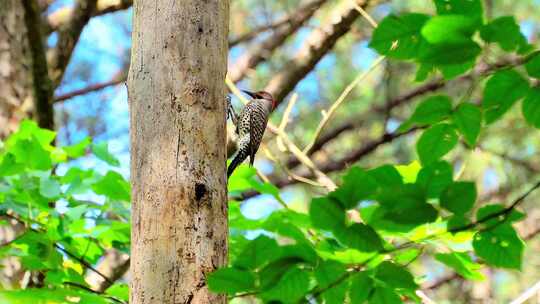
[[49, 187], [501, 92], [382, 295], [459, 197], [357, 185], [336, 294], [435, 177], [449, 29], [326, 214], [240, 180], [31, 153], [455, 53], [399, 36], [361, 286], [292, 287], [499, 246], [301, 252], [505, 32], [9, 165], [386, 175], [257, 253], [407, 256], [491, 210], [468, 119], [457, 222], [49, 296], [29, 129], [451, 71], [270, 275], [401, 197], [470, 8], [230, 280], [101, 150], [395, 276], [329, 272], [360, 237], [119, 290], [435, 142], [533, 65], [409, 172], [531, 107], [408, 218], [75, 213], [114, 186], [462, 263], [78, 149], [432, 110], [405, 206]]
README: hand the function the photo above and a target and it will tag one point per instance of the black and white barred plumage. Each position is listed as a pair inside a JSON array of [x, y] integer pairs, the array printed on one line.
[[250, 127]]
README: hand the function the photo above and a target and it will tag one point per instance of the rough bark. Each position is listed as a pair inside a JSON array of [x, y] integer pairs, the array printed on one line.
[[15, 72], [177, 120], [16, 103]]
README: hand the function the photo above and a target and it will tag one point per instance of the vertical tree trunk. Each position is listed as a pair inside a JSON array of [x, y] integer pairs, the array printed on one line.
[[178, 140], [15, 105], [15, 71]]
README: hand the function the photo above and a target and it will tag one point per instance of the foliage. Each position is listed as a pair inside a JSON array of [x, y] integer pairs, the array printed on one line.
[[69, 218], [356, 242]]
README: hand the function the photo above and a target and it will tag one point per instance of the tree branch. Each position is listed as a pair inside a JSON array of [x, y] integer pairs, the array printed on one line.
[[288, 19], [42, 86], [320, 42], [91, 88], [262, 50], [113, 266], [68, 35], [63, 16]]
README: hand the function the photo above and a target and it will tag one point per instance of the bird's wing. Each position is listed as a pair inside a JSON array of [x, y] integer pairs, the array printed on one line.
[[257, 127]]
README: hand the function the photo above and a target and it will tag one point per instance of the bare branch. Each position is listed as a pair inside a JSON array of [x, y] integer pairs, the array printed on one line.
[[262, 50], [328, 115], [62, 16], [288, 19], [68, 35], [113, 266], [91, 88], [320, 42], [42, 86]]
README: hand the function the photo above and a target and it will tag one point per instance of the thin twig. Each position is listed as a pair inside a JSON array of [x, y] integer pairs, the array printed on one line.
[[89, 89], [327, 115], [285, 120], [80, 286], [321, 177], [366, 15], [530, 292], [57, 246]]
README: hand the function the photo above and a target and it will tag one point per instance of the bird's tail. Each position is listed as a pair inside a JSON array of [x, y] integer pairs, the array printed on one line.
[[237, 160]]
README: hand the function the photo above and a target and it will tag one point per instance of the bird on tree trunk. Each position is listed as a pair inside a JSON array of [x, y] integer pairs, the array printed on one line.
[[250, 126]]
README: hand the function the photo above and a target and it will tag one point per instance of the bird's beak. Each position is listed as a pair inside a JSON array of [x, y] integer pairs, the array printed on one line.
[[252, 95]]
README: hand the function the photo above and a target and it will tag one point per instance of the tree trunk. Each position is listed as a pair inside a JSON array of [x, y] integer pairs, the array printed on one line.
[[15, 105], [15, 71], [178, 140]]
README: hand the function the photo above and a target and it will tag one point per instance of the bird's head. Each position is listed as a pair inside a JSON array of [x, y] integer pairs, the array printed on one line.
[[262, 95]]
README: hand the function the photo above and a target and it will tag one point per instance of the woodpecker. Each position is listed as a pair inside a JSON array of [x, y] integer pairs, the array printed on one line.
[[250, 126]]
